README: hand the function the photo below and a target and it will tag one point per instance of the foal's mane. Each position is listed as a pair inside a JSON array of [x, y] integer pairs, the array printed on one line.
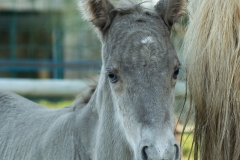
[[129, 7], [84, 97]]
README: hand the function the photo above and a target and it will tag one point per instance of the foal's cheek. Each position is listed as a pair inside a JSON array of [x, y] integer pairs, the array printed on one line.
[[124, 111], [129, 122], [118, 87]]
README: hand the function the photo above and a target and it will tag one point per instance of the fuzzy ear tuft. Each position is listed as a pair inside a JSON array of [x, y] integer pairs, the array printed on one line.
[[98, 12], [170, 10]]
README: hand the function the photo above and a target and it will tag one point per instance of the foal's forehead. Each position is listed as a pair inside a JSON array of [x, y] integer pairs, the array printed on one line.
[[139, 39], [142, 49]]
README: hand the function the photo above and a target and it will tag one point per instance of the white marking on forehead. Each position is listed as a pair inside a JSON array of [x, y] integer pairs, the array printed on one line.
[[163, 73], [148, 39]]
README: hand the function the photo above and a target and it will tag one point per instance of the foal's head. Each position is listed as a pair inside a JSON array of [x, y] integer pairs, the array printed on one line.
[[140, 66]]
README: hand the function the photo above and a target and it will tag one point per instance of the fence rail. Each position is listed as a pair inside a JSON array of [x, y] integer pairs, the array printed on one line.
[[57, 88], [36, 65], [43, 88]]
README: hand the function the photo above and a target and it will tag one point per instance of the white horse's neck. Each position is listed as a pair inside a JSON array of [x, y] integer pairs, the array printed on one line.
[[101, 133]]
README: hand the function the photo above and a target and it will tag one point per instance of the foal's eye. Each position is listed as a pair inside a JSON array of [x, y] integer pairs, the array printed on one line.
[[175, 74], [112, 77]]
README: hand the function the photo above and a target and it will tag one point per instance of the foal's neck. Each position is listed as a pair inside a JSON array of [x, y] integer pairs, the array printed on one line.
[[103, 135]]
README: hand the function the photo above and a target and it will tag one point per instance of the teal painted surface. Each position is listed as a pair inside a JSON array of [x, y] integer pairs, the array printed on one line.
[[33, 37]]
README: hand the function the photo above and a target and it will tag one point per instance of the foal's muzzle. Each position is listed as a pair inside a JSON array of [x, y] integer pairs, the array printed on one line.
[[169, 151]]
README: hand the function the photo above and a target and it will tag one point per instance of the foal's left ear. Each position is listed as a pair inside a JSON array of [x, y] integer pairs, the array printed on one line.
[[98, 12], [170, 10]]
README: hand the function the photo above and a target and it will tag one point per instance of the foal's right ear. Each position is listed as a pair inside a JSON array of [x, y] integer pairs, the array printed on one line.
[[98, 12], [170, 10]]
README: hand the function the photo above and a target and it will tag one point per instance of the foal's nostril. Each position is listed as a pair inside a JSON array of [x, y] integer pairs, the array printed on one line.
[[177, 152], [144, 154]]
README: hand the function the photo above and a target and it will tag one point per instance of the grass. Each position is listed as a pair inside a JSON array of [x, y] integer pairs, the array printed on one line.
[[54, 105], [187, 138], [186, 146]]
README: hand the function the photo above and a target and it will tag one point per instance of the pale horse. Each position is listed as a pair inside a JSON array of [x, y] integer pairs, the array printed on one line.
[[130, 114]]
